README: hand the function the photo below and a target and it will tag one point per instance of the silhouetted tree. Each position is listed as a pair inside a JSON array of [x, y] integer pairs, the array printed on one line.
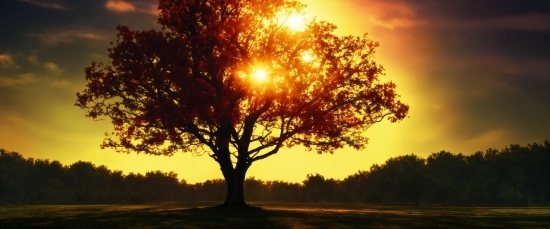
[[47, 182], [514, 176], [160, 187], [477, 189], [448, 176], [229, 77], [357, 185], [531, 177], [316, 187], [211, 190], [410, 179], [284, 191], [13, 177], [255, 189], [90, 182], [135, 188]]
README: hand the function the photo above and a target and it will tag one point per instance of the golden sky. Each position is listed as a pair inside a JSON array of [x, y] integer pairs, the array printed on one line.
[[476, 75]]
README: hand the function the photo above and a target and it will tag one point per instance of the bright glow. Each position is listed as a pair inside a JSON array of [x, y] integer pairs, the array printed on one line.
[[296, 22], [260, 74], [307, 57]]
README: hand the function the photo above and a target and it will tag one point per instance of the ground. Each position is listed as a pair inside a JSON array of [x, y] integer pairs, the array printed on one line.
[[268, 215]]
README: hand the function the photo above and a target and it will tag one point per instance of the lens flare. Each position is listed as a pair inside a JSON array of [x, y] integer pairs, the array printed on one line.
[[260, 74], [296, 22], [307, 57]]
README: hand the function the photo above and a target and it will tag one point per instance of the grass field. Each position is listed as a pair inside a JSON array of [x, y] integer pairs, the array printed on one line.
[[271, 215]]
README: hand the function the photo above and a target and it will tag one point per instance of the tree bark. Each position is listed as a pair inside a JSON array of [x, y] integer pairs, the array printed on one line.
[[235, 187], [234, 178]]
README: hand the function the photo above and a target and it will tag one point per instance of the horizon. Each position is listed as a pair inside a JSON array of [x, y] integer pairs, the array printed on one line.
[[474, 75], [252, 177]]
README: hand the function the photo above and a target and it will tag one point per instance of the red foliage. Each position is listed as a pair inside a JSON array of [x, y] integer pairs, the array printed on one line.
[[188, 85]]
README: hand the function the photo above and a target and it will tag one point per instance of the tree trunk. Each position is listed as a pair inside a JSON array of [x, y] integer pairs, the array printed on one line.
[[234, 175], [234, 178], [235, 189]]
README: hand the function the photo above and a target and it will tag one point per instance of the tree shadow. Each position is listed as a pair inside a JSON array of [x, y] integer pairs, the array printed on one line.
[[177, 216]]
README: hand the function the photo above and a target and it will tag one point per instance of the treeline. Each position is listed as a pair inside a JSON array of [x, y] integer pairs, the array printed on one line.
[[515, 176]]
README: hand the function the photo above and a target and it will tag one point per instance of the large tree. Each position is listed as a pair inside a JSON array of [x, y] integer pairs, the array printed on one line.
[[238, 80]]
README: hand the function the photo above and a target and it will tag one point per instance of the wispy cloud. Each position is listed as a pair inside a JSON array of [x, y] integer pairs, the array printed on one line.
[[50, 66], [33, 59], [60, 83], [391, 14], [397, 22], [53, 67], [526, 22], [67, 37], [46, 4], [120, 6], [6, 61], [19, 80], [492, 137], [151, 9]]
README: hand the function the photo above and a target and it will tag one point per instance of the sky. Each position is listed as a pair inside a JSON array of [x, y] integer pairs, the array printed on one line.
[[476, 75]]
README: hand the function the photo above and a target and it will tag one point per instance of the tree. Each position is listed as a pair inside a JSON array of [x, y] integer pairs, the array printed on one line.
[[235, 80], [448, 173], [315, 187]]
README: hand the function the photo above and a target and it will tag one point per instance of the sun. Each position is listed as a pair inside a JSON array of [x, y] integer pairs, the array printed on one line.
[[307, 57], [296, 22], [260, 74]]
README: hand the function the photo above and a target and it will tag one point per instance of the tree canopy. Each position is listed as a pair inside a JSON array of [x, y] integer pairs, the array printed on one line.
[[232, 78]]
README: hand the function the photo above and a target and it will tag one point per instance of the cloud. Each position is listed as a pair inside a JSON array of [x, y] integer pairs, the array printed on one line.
[[68, 37], [33, 59], [50, 66], [393, 15], [53, 67], [59, 83], [532, 68], [120, 6], [6, 61], [46, 5], [525, 22], [151, 9], [19, 80], [492, 137], [397, 22]]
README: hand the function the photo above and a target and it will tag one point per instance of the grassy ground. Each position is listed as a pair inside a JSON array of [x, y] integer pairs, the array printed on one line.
[[271, 215]]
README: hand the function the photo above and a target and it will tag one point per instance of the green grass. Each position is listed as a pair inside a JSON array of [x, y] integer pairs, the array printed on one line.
[[271, 215]]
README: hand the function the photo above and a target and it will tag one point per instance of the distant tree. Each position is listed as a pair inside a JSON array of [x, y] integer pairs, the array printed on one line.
[[284, 191], [161, 187], [135, 188], [357, 185], [48, 183], [255, 189], [116, 187], [229, 77], [13, 177], [400, 180], [316, 188], [210, 190], [414, 178], [477, 190], [528, 175], [448, 173], [514, 176]]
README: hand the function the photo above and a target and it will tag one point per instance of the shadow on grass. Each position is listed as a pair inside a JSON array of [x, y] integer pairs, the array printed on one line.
[[272, 216]]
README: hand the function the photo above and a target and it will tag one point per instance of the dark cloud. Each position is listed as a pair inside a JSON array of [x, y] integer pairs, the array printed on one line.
[[474, 10], [46, 4]]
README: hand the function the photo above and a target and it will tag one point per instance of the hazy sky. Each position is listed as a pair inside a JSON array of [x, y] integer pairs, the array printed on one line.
[[476, 75]]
